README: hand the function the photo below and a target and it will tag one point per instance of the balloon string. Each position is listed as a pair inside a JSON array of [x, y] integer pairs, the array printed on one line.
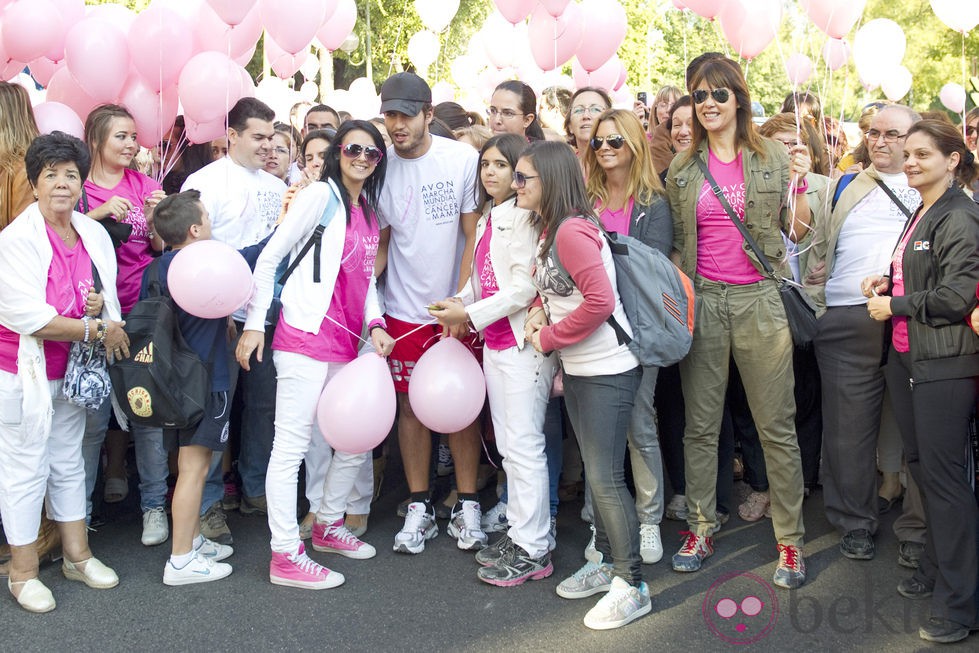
[[418, 328]]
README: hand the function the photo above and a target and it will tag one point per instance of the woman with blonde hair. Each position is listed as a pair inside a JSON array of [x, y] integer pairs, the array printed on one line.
[[17, 130]]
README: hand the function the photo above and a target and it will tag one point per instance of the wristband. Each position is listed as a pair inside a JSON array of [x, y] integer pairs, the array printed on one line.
[[86, 320], [802, 188], [375, 326]]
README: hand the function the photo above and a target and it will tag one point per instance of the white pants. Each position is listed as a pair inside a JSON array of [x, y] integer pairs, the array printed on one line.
[[518, 383], [301, 380], [29, 469], [318, 461]]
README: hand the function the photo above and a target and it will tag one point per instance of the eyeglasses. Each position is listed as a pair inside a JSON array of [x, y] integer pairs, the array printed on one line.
[[615, 141], [891, 136], [720, 95], [283, 151], [593, 110], [506, 114], [371, 153], [520, 179]]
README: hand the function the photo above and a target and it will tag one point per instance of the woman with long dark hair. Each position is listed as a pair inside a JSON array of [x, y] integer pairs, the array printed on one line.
[[317, 334], [513, 110]]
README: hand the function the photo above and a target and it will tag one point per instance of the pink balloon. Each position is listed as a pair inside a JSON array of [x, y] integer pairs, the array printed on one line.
[[97, 56], [245, 57], [292, 23], [232, 12], [835, 17], [31, 29], [212, 33], [514, 10], [209, 86], [836, 52], [356, 410], [605, 27], [54, 116], [64, 89], [71, 11], [623, 73], [750, 25], [553, 41], [679, 5], [284, 64], [247, 83], [952, 96], [120, 16], [154, 113], [161, 42], [209, 279], [447, 389], [42, 69], [337, 28], [705, 8], [555, 7], [798, 68], [606, 77], [204, 132]]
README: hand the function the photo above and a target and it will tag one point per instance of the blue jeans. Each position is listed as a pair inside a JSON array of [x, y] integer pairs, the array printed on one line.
[[257, 388], [553, 449], [151, 458], [600, 408]]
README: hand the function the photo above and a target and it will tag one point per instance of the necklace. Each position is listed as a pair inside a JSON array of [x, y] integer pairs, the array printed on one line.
[[66, 237]]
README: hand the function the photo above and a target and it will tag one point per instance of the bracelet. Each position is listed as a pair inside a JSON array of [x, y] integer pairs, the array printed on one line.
[[86, 320], [802, 188], [100, 330], [375, 326]]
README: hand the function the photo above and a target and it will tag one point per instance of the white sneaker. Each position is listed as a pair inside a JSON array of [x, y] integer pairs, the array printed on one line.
[[464, 526], [156, 530], [198, 570], [494, 519], [650, 544], [214, 551], [419, 526], [621, 605], [591, 553]]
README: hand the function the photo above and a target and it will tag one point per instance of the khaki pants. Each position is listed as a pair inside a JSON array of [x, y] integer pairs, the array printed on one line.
[[747, 322]]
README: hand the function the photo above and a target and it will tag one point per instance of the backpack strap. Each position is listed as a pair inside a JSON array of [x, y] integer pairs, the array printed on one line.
[[841, 184], [905, 210], [315, 242], [154, 287]]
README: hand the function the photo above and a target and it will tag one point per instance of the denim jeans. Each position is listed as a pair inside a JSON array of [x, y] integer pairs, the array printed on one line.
[[151, 458], [600, 408], [644, 451], [257, 388]]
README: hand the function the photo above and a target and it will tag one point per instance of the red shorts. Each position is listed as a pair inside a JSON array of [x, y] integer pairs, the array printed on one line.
[[409, 350]]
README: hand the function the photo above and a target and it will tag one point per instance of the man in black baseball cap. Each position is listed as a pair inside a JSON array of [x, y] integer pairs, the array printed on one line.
[[405, 93]]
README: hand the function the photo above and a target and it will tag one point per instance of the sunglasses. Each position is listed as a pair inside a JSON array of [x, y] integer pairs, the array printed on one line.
[[615, 141], [720, 95], [371, 153], [971, 131], [520, 179]]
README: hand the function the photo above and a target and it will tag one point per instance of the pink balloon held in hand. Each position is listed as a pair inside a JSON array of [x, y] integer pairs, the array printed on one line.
[[209, 279], [356, 410], [447, 389]]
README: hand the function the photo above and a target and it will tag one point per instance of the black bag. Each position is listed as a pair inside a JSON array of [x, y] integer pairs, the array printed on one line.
[[86, 381], [119, 232], [799, 311], [164, 383]]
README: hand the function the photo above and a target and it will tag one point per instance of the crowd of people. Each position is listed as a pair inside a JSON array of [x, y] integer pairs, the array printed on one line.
[[433, 221]]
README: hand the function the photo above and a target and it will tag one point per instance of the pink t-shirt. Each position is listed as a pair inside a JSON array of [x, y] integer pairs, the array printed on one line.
[[498, 335], [333, 344], [69, 280], [132, 256], [617, 221], [899, 334], [720, 256]]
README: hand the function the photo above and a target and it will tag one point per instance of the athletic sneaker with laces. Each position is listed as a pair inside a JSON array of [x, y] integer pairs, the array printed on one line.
[[693, 552], [791, 570], [492, 554], [515, 567], [199, 570], [419, 526], [593, 578], [591, 553], [624, 603], [494, 519], [156, 530], [650, 544], [445, 465], [299, 570], [335, 538], [214, 551], [676, 509], [552, 534], [464, 526], [214, 525]]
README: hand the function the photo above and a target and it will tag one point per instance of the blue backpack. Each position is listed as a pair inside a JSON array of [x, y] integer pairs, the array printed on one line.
[[285, 268]]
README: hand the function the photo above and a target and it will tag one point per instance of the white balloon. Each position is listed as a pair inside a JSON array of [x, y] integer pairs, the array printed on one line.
[[896, 83], [958, 15], [436, 14], [423, 50], [308, 91], [877, 47], [952, 96]]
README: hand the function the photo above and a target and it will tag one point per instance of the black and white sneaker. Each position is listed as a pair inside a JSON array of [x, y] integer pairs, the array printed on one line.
[[515, 567]]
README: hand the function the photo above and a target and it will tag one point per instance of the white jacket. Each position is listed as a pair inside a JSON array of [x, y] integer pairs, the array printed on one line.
[[305, 302], [25, 258], [512, 249]]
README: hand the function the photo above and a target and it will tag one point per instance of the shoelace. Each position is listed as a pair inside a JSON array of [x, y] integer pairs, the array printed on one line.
[[343, 534], [649, 538], [691, 544], [415, 518], [590, 569], [307, 564], [790, 556], [615, 599], [471, 517]]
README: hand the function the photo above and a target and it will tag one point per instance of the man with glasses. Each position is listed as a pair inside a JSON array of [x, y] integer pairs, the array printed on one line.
[[859, 219], [427, 212]]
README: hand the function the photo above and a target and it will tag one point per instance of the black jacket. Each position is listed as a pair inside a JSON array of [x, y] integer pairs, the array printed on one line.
[[941, 271], [653, 224]]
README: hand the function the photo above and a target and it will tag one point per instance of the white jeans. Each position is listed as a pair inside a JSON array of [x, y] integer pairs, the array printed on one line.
[[318, 461], [301, 380], [518, 383], [29, 469]]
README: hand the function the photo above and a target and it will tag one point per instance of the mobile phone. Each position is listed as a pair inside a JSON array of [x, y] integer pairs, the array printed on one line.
[[641, 97]]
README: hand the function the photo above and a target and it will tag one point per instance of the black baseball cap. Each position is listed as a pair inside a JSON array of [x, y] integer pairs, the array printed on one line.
[[405, 93]]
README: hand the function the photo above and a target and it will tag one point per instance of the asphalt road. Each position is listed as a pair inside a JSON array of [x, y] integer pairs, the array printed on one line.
[[434, 602]]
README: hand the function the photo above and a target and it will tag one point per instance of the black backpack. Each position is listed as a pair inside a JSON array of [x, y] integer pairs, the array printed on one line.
[[163, 383]]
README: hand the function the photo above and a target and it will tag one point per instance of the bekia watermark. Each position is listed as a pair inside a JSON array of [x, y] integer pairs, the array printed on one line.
[[740, 608]]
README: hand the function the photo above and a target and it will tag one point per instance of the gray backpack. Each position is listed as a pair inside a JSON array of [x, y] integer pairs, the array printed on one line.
[[658, 300]]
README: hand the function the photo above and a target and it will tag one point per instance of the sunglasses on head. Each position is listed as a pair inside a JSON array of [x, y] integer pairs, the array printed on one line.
[[520, 179], [720, 95], [371, 153], [615, 141]]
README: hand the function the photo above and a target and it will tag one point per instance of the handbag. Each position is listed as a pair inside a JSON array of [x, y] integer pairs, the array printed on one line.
[[799, 311], [87, 381]]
